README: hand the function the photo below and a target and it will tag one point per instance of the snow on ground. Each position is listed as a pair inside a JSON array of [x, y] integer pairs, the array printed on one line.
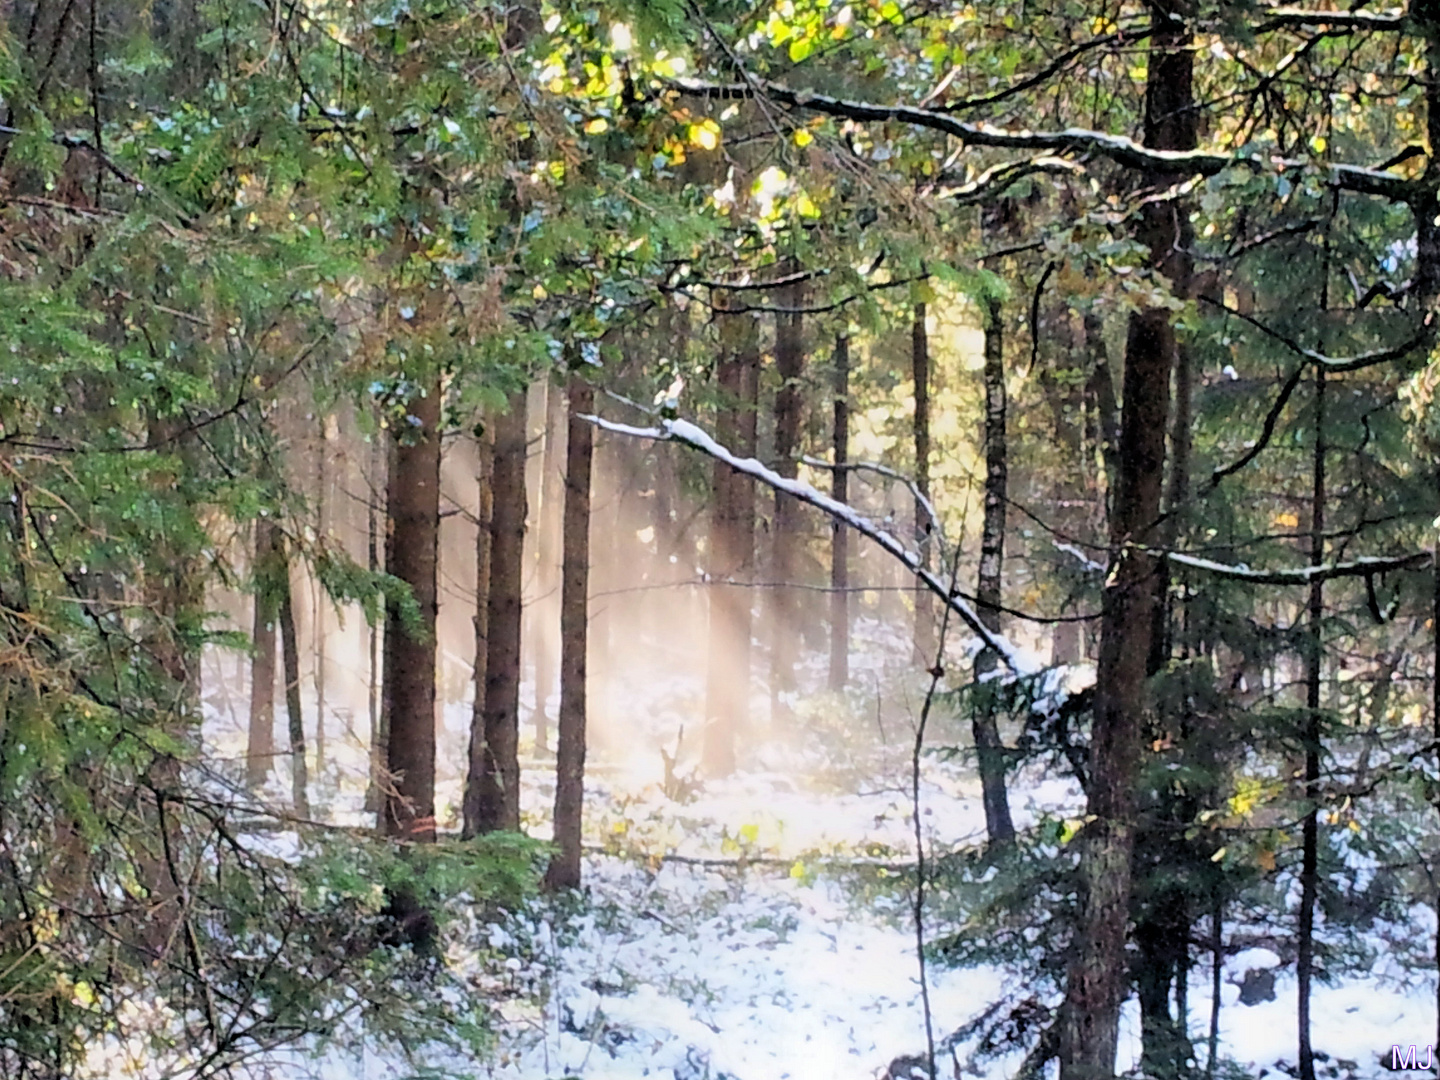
[[717, 943]]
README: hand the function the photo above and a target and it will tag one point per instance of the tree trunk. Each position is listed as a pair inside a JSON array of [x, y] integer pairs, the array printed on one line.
[[497, 797], [839, 534], [322, 512], [299, 769], [412, 555], [475, 766], [379, 736], [989, 751], [731, 555], [786, 546], [260, 745], [1097, 979], [545, 610], [564, 871], [920, 370], [1310, 844]]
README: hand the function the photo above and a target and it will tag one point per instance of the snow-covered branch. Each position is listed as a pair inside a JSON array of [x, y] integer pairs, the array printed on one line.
[[1303, 575], [1120, 149], [892, 474], [682, 431]]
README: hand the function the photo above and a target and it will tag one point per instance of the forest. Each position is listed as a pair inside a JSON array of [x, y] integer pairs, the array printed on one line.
[[719, 539]]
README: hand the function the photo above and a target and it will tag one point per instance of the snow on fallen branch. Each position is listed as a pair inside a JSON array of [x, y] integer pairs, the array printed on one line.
[[682, 431], [1302, 575]]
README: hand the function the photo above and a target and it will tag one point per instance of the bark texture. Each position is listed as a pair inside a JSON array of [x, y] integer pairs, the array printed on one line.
[[1097, 979], [260, 743], [475, 765], [412, 555], [920, 431], [839, 534], [498, 785], [989, 751], [290, 650], [564, 871]]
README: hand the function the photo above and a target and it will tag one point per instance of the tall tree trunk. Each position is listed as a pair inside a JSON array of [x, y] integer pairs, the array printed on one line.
[[544, 616], [1310, 844], [412, 549], [839, 534], [260, 744], [989, 751], [1097, 978], [290, 650], [322, 513], [920, 370], [475, 767], [564, 871], [731, 554], [498, 794], [379, 737], [784, 618]]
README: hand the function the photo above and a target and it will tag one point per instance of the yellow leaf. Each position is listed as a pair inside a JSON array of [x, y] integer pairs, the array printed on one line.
[[705, 134], [1287, 519], [797, 870], [597, 126]]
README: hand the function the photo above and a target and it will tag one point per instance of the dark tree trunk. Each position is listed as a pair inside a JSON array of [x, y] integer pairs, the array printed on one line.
[[1310, 844], [839, 534], [290, 650], [412, 555], [989, 751], [1098, 973], [785, 540], [564, 871], [260, 745], [379, 737], [475, 766], [731, 555], [498, 795], [920, 370]]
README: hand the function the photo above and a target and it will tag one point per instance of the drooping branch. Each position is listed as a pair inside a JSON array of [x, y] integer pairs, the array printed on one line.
[[682, 431]]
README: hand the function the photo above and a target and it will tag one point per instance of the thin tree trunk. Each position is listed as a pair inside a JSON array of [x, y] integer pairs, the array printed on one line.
[[412, 555], [989, 751], [1310, 844], [920, 370], [475, 767], [839, 534], [1097, 979], [547, 519], [564, 871], [299, 769], [379, 736], [727, 674], [322, 511], [498, 794], [260, 745], [784, 618]]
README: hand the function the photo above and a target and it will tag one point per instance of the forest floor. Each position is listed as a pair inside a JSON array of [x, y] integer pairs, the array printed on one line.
[[742, 930]]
